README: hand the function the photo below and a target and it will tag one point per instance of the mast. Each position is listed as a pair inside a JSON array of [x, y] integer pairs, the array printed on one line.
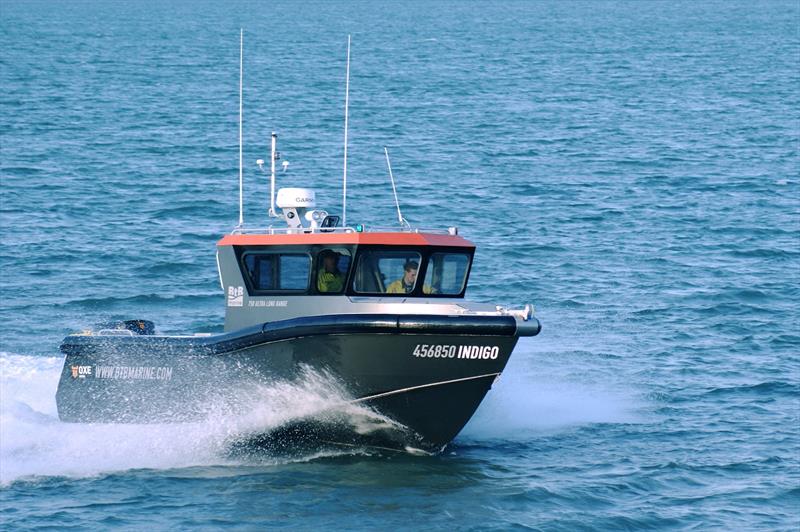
[[241, 171], [272, 156], [346, 106]]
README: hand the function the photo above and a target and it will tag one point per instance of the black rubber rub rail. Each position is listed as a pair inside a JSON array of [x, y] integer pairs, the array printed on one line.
[[305, 326]]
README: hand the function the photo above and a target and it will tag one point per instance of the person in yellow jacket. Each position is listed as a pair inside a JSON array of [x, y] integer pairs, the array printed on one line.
[[329, 278], [406, 283]]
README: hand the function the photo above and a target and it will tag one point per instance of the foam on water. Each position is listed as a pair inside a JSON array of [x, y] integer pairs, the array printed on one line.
[[35, 443], [548, 385], [519, 406]]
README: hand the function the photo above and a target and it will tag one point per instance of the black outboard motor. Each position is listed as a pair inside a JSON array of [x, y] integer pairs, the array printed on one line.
[[140, 327]]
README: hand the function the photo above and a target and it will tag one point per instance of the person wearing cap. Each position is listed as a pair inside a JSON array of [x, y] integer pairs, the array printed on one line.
[[329, 278], [406, 283]]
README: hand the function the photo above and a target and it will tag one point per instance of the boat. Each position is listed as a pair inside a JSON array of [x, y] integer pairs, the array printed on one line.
[[381, 312]]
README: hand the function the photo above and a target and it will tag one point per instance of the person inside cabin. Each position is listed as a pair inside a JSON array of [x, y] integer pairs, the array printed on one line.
[[329, 278], [406, 283]]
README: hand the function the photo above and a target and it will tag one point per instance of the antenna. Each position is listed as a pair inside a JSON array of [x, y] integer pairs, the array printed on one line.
[[346, 106], [241, 174], [403, 222], [272, 156]]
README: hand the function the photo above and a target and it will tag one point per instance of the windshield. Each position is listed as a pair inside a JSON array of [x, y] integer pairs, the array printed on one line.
[[387, 272], [446, 273], [332, 267]]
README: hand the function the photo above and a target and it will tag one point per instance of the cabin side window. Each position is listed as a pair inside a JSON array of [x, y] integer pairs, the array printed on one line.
[[274, 272], [386, 272], [446, 273]]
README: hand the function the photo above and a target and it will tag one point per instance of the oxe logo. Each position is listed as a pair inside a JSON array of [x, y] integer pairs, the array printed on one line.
[[81, 372], [235, 296]]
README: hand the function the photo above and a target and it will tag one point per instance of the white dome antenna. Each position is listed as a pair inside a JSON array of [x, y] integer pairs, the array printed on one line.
[[296, 198], [298, 206]]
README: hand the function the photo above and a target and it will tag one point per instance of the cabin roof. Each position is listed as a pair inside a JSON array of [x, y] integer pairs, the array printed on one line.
[[386, 239]]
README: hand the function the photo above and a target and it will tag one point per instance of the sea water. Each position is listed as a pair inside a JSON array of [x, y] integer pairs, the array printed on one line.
[[631, 168]]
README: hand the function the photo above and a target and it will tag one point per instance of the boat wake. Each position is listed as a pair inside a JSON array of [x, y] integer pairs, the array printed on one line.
[[534, 400], [309, 414], [264, 422], [267, 423]]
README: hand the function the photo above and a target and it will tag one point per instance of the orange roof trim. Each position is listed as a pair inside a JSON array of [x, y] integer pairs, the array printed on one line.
[[386, 239]]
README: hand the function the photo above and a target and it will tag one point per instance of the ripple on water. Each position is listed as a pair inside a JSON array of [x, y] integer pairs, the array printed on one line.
[[632, 172]]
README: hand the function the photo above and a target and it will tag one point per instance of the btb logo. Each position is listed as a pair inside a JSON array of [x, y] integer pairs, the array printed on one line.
[[235, 296]]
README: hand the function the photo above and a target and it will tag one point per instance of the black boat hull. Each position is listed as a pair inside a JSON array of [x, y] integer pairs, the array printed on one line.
[[426, 373]]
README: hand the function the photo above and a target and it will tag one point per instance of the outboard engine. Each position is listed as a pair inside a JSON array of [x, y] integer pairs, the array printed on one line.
[[137, 327]]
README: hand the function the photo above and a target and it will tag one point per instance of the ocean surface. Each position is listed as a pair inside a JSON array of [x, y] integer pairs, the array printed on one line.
[[629, 167]]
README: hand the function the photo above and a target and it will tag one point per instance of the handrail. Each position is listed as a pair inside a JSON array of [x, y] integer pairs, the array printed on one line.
[[272, 230]]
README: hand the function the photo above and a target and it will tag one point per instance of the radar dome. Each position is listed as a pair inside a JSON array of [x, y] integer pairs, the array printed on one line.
[[296, 198]]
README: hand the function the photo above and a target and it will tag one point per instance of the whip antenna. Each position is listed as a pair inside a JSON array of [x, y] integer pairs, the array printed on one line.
[[273, 154], [241, 174], [403, 222], [346, 106]]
